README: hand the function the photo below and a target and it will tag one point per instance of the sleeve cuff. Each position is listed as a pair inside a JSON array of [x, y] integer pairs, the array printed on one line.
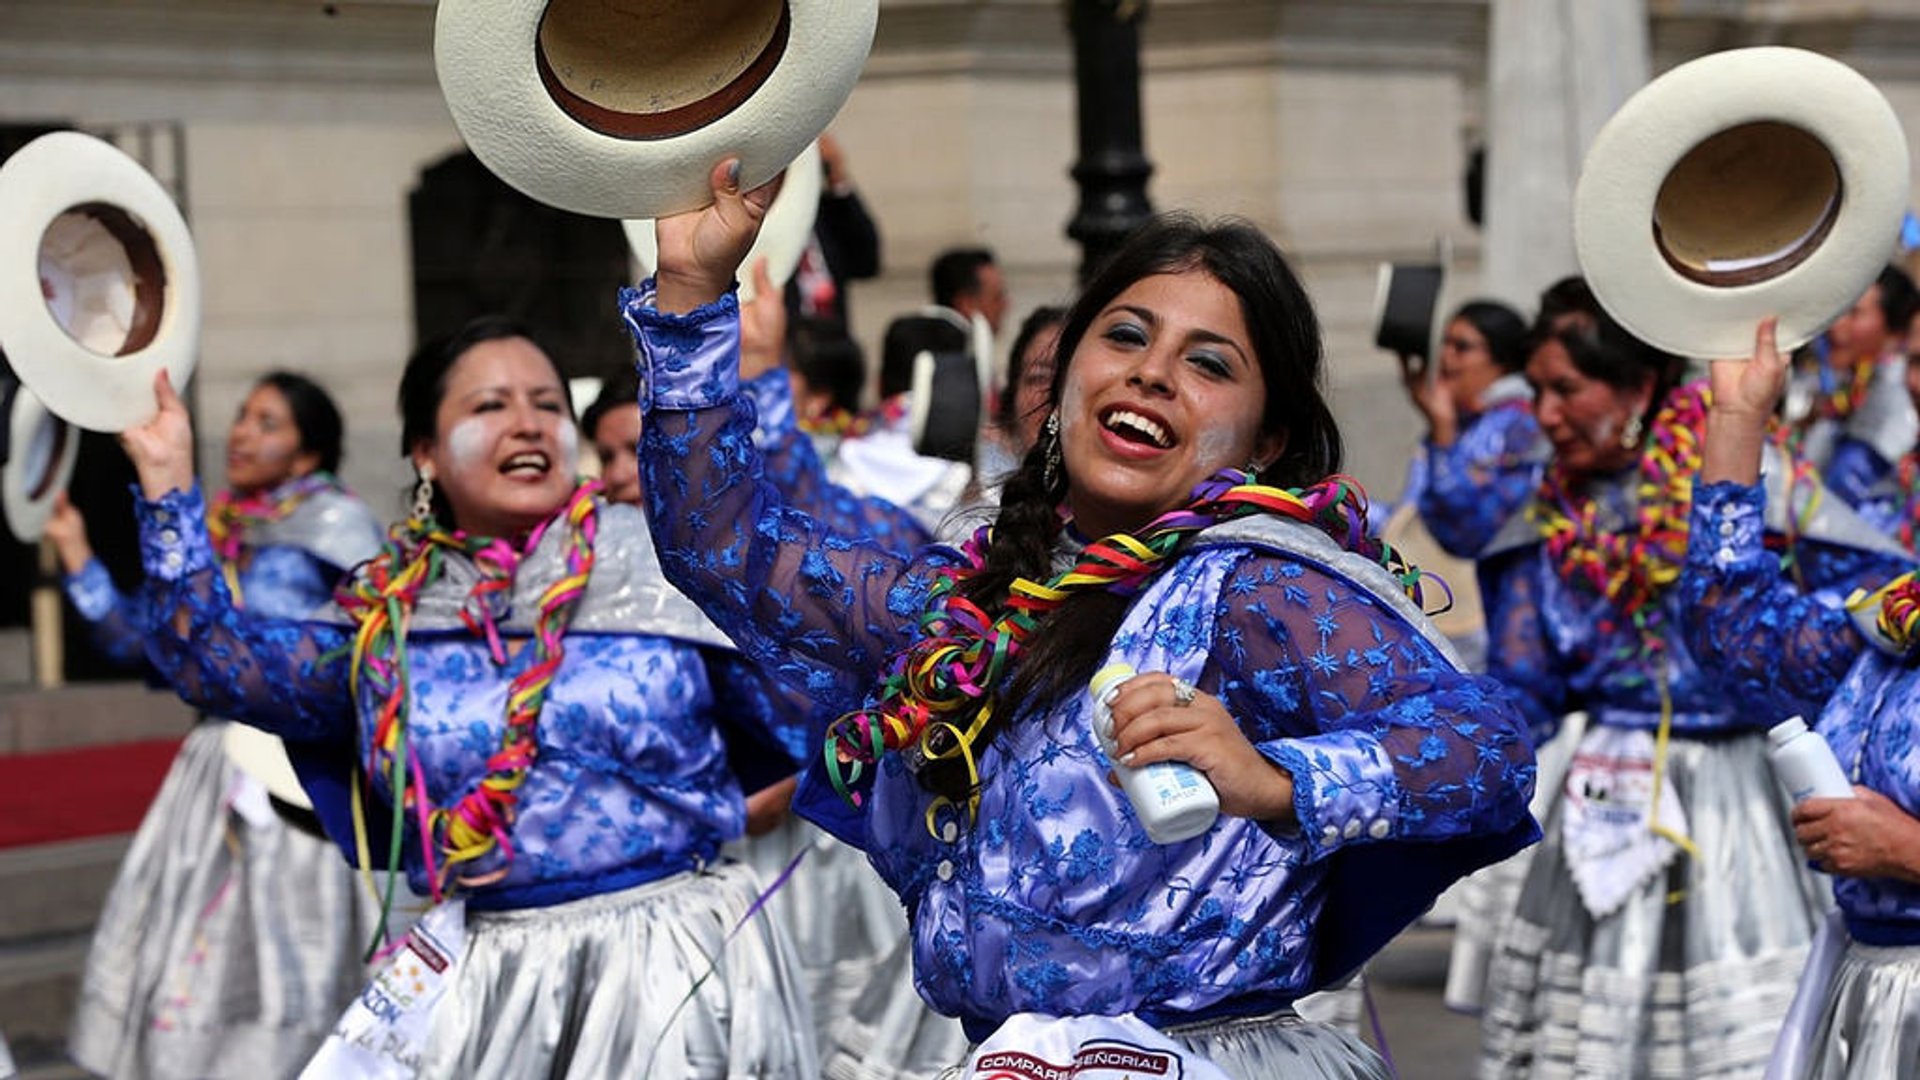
[[687, 361], [173, 534], [1728, 527], [1344, 789], [92, 591]]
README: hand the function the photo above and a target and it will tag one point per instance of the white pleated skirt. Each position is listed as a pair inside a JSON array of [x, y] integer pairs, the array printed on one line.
[[652, 981], [1487, 897], [226, 947], [1692, 977], [1870, 1029]]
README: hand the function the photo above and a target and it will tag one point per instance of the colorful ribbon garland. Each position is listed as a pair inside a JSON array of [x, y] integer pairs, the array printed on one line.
[[381, 601], [938, 694]]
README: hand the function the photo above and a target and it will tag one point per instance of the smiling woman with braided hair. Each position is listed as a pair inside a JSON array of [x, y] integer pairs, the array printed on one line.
[[562, 740], [1179, 514]]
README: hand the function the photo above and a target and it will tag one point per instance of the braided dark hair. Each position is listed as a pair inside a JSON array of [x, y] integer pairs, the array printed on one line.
[[1069, 645]]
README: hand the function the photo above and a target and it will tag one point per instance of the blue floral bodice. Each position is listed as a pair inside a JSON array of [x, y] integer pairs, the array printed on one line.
[[1053, 900], [632, 781]]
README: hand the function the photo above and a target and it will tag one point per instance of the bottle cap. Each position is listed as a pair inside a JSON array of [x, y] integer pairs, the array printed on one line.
[[1786, 731], [1109, 677]]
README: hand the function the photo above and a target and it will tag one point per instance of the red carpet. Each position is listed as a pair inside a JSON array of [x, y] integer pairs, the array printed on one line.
[[61, 795]]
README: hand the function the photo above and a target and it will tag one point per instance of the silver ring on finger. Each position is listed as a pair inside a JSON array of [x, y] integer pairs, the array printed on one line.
[[1183, 692]]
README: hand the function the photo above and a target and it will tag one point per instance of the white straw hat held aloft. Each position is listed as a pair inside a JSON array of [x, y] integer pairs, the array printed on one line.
[[621, 108], [1748, 183], [99, 284]]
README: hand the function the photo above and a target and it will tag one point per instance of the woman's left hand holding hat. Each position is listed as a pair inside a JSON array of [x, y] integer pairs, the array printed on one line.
[[162, 448], [701, 250]]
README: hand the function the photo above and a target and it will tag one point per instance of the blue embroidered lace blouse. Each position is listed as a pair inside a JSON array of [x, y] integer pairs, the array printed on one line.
[[1566, 647], [278, 580], [632, 782], [1471, 488], [1054, 900], [1779, 653]]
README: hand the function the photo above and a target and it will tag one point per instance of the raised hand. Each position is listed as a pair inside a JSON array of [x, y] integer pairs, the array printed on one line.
[[700, 250], [1744, 395], [1752, 386], [67, 531], [162, 448], [1421, 378]]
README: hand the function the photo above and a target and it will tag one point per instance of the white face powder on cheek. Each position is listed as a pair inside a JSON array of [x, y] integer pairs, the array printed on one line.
[[1606, 431], [467, 443], [1214, 449], [569, 439]]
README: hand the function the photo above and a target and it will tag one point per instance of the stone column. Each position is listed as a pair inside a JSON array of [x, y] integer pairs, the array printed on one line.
[[1557, 70]]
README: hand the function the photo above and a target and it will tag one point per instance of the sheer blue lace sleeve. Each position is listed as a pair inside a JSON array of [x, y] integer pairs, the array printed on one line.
[[1854, 469], [1518, 650], [790, 462], [285, 676], [1776, 649], [821, 608], [114, 619], [1480, 481], [1383, 737]]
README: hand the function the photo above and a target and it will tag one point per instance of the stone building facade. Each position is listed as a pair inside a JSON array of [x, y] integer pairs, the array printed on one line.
[[1343, 127]]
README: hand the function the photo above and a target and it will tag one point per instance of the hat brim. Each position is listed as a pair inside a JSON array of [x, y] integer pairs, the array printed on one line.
[[486, 53], [1640, 146], [784, 234], [41, 450], [46, 178]]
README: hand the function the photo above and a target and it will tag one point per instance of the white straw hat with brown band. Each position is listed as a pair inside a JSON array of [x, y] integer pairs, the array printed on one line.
[[99, 282], [621, 108], [1748, 183]]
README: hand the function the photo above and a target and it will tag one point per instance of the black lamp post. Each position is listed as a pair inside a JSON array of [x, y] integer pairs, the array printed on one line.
[[1113, 169]]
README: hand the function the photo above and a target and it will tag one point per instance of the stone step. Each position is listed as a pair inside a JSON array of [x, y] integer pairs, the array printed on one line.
[[89, 714], [53, 889]]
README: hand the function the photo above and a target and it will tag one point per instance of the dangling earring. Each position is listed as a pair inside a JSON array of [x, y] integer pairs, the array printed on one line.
[[423, 494], [1253, 468], [1630, 437], [1050, 436]]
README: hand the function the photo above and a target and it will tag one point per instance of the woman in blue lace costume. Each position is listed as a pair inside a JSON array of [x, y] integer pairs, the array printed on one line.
[[1478, 461], [1779, 653], [230, 940], [1347, 748], [1854, 411], [560, 738], [1665, 915]]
